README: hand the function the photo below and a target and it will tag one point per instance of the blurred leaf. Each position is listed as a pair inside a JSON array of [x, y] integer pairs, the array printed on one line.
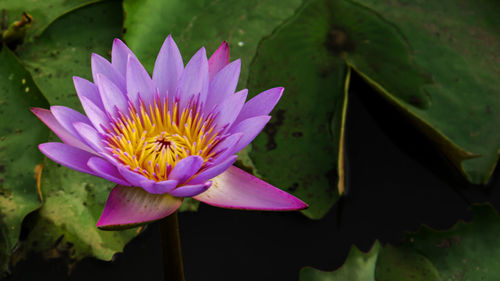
[[64, 49], [73, 201], [43, 12], [203, 23], [359, 266], [458, 42], [404, 265], [20, 133], [468, 251]]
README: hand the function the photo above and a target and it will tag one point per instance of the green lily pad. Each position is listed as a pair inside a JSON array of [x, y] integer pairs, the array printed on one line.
[[298, 150], [66, 223], [203, 23], [359, 266], [458, 42], [468, 251], [20, 133], [64, 49], [73, 201], [42, 12], [312, 50]]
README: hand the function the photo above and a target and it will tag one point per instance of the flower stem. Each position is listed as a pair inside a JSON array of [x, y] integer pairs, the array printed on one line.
[[171, 245]]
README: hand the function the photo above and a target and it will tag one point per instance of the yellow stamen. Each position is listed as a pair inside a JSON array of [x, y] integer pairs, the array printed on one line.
[[153, 140]]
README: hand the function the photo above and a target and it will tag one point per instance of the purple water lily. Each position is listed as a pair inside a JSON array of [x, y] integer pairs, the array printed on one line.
[[164, 138]]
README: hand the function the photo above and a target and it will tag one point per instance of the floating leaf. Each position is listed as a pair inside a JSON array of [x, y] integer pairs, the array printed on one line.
[[203, 23], [66, 223], [64, 50], [73, 201], [298, 150], [468, 251], [20, 133], [459, 44], [359, 266], [42, 12]]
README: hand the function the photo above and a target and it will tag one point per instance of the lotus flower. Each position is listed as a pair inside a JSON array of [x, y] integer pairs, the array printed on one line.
[[165, 137]]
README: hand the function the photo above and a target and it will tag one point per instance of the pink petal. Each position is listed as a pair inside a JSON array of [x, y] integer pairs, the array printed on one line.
[[223, 84], [236, 189], [168, 67], [186, 168], [119, 56], [51, 122], [67, 156], [218, 60], [104, 67], [194, 79], [250, 128], [213, 171], [190, 190], [87, 89], [139, 82], [106, 170], [127, 207], [262, 104], [113, 98]]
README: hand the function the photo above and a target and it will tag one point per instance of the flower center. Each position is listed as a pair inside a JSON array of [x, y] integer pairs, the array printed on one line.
[[154, 138]]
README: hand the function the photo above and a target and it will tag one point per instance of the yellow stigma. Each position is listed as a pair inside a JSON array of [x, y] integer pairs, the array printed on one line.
[[153, 139]]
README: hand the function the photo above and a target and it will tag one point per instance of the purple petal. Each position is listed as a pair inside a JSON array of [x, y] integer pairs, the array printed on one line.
[[218, 60], [236, 189], [106, 170], [213, 171], [87, 89], [67, 156], [186, 168], [104, 67], [95, 114], [250, 128], [226, 147], [112, 97], [90, 135], [168, 67], [194, 78], [67, 117], [131, 206], [139, 82], [223, 84], [135, 179], [190, 190], [162, 187], [48, 118], [119, 56], [262, 104], [229, 109]]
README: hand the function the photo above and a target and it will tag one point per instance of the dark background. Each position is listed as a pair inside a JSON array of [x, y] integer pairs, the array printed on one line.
[[398, 180]]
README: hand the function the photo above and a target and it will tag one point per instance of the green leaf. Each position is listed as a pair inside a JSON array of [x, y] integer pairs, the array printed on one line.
[[20, 133], [202, 23], [458, 42], [42, 12], [468, 251], [298, 150], [359, 266], [64, 49], [66, 223], [73, 201]]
